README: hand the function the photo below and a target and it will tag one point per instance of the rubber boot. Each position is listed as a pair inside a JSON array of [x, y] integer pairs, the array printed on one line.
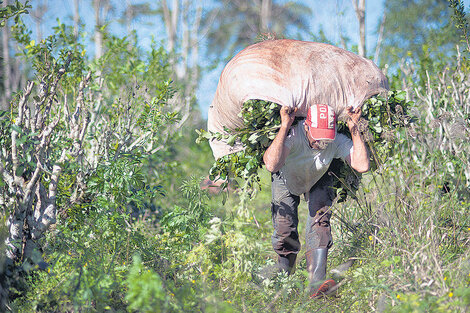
[[286, 263], [316, 268]]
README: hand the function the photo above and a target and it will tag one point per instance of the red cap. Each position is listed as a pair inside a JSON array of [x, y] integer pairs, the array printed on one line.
[[321, 120]]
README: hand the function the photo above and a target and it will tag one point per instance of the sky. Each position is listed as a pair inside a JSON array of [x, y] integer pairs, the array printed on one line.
[[330, 15], [333, 16]]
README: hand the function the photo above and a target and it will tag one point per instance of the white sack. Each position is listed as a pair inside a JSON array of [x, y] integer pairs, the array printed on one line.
[[291, 73]]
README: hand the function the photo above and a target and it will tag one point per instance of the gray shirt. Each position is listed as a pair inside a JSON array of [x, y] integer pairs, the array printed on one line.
[[304, 166]]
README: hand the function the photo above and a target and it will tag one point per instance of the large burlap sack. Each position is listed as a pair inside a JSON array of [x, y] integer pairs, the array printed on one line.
[[291, 73]]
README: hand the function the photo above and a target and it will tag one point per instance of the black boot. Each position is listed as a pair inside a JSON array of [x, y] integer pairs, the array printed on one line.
[[286, 263], [316, 268], [316, 264]]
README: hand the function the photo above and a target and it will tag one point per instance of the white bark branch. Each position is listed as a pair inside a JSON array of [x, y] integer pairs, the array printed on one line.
[[14, 133], [6, 64], [360, 9], [379, 39]]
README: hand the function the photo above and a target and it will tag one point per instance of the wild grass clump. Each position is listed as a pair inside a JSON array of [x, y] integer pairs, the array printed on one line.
[[409, 227], [407, 231], [138, 234]]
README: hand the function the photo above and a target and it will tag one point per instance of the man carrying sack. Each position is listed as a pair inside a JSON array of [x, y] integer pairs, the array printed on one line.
[[322, 83], [298, 159]]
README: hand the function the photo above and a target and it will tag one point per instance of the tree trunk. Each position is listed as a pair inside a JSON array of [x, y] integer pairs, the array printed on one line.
[[360, 8], [6, 64], [17, 77], [195, 47], [128, 15], [76, 17], [98, 33], [185, 49], [379, 39], [38, 16], [265, 15], [170, 19], [185, 43], [98, 6]]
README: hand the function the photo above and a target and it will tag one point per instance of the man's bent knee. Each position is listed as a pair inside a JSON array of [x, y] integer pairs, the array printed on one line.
[[319, 230]]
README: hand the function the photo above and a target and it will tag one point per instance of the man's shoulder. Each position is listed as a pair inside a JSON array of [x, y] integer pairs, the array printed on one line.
[[295, 130], [341, 138], [294, 136], [342, 145]]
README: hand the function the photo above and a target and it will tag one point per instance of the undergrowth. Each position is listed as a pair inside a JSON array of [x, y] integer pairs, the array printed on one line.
[[147, 238]]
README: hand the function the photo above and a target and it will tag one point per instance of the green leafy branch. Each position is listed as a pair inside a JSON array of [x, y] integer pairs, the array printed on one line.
[[261, 121], [381, 115], [13, 10], [460, 20]]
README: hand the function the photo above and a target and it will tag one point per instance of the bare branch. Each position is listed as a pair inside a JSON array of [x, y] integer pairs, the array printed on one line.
[[6, 176], [360, 9], [354, 3], [6, 79], [14, 133], [53, 88], [46, 215], [38, 104], [22, 104], [211, 19], [379, 39]]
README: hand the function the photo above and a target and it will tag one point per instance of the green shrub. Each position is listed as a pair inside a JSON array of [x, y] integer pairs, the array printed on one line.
[[145, 292]]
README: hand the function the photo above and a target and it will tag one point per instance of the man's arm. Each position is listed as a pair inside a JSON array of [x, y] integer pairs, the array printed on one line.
[[359, 158], [275, 156]]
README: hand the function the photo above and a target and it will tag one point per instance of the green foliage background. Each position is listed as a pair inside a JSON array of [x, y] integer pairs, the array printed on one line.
[[147, 238]]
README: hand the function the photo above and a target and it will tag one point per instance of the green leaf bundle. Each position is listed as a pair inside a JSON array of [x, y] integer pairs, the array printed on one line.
[[381, 115]]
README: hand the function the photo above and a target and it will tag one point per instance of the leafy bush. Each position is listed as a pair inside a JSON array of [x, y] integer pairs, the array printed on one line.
[[262, 120], [407, 229], [86, 164], [145, 290]]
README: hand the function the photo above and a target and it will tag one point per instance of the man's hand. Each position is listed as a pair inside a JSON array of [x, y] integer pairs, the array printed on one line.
[[354, 115], [359, 158], [287, 116], [275, 156]]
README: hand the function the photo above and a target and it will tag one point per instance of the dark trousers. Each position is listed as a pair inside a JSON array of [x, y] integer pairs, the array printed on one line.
[[284, 205]]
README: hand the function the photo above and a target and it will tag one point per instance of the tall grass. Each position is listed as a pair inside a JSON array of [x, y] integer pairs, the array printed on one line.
[[407, 234], [410, 228], [408, 231]]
